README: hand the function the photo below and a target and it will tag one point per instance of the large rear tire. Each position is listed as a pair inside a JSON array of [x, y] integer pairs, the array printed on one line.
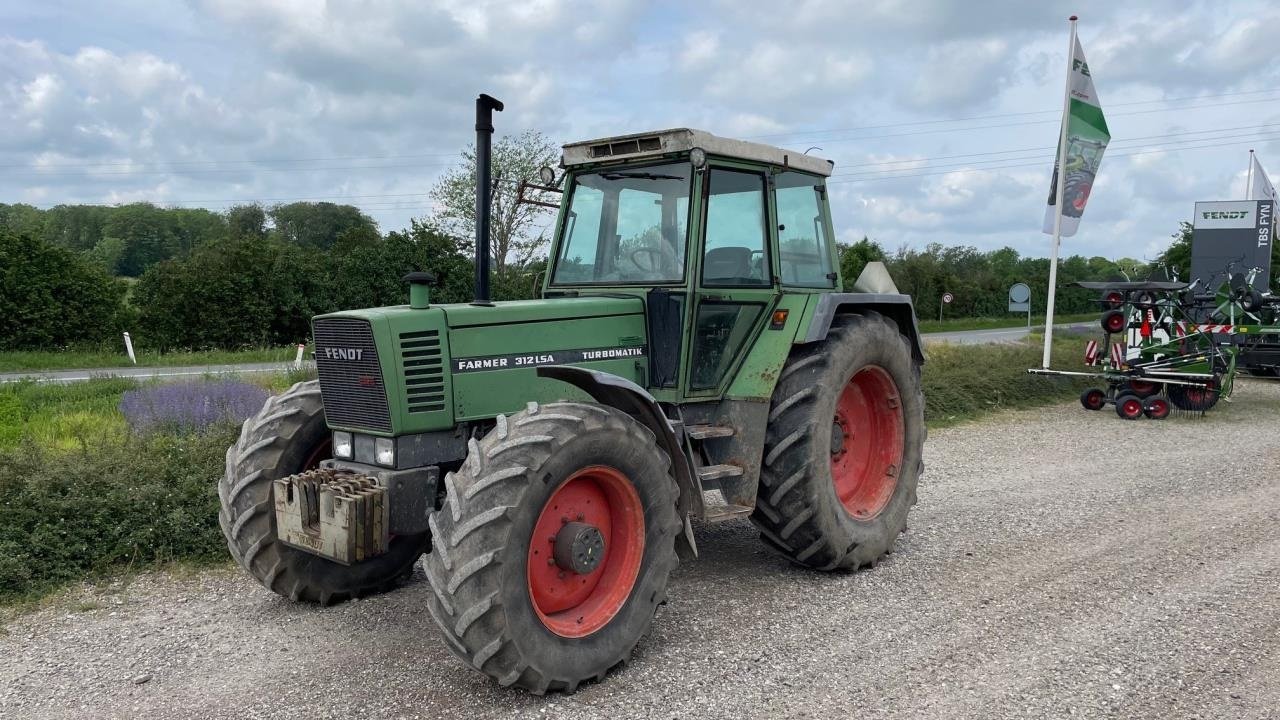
[[577, 477], [843, 450], [287, 436]]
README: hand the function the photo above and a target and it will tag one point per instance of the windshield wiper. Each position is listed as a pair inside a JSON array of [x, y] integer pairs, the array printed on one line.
[[639, 176]]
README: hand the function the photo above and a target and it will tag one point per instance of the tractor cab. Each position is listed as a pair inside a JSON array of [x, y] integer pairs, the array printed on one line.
[[719, 237]]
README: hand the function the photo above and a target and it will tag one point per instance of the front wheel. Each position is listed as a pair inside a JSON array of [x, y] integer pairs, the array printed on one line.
[[843, 449], [286, 437], [552, 550]]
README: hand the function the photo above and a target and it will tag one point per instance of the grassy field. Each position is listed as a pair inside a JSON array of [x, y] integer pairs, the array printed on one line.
[[94, 359], [88, 496], [1012, 321]]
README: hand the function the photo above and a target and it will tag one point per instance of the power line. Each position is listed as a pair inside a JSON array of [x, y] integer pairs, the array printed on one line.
[[1003, 115], [1043, 163], [1048, 147], [1040, 152]]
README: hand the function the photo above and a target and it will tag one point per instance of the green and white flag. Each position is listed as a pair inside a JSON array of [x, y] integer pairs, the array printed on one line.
[[1087, 138]]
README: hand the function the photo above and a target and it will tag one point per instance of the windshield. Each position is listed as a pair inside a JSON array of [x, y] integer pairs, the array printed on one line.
[[626, 225]]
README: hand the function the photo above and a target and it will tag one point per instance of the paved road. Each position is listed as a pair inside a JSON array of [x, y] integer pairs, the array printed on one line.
[[145, 373], [980, 337], [1060, 564], [63, 376]]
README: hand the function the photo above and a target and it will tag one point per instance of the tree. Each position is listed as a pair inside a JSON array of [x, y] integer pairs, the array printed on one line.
[[247, 221], [320, 224], [52, 298], [1178, 254], [515, 233], [853, 258]]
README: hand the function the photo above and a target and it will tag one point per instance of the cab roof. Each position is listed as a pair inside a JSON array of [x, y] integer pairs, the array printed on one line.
[[681, 140]]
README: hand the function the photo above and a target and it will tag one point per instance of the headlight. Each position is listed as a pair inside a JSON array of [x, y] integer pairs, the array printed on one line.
[[342, 445], [384, 451]]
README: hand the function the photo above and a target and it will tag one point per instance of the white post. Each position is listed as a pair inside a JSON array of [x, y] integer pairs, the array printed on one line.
[[128, 348], [1060, 193], [297, 361], [1248, 178]]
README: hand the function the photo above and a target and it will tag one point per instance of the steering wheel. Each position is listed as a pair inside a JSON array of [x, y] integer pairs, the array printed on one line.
[[660, 259]]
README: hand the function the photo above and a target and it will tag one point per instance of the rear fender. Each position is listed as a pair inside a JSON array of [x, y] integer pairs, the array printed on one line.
[[896, 307], [630, 398]]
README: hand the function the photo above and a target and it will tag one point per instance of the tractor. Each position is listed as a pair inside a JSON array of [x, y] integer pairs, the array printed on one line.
[[692, 358]]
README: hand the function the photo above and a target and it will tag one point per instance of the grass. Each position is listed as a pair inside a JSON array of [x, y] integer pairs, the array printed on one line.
[[963, 382], [86, 498], [988, 323], [24, 361]]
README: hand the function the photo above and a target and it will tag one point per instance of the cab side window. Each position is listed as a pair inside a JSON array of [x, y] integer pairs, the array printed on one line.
[[803, 255], [735, 233]]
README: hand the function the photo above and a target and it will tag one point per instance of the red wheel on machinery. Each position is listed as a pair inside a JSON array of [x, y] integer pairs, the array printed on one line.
[[866, 442], [1093, 399], [1114, 321], [1113, 300], [585, 551], [1156, 408], [1129, 407], [1143, 388]]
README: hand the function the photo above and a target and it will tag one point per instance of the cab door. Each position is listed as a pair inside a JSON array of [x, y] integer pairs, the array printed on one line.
[[735, 284]]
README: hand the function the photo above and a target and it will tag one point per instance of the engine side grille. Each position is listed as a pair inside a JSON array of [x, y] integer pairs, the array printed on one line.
[[423, 369], [350, 375]]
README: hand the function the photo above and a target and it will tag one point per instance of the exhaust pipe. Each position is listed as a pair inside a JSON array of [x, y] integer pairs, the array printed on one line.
[[485, 105]]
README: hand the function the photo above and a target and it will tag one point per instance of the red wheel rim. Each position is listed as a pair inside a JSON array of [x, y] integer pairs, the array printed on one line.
[[1114, 300], [572, 604], [1158, 408], [1114, 322], [1081, 198], [867, 442], [1132, 407], [1096, 399]]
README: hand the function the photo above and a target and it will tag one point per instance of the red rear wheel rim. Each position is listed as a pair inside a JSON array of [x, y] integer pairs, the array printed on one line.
[[1132, 407], [1159, 408], [572, 604], [1096, 399], [867, 442]]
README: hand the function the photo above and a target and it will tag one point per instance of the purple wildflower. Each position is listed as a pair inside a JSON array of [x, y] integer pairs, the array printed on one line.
[[190, 406]]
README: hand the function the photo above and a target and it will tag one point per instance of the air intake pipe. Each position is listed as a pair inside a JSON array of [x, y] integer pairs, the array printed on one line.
[[485, 105]]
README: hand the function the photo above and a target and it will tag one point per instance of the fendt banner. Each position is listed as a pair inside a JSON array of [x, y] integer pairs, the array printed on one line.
[[1232, 236]]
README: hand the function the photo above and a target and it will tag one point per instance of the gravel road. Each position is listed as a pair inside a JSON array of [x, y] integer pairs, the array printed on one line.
[[1060, 563]]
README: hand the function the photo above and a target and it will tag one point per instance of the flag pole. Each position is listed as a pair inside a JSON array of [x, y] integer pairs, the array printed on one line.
[[1060, 191], [1248, 178]]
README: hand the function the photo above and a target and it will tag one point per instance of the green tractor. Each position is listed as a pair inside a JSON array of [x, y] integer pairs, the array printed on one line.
[[692, 358]]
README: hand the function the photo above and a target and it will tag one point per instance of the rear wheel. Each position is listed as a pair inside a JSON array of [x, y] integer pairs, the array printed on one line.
[[1156, 408], [289, 436], [554, 545], [842, 452], [1114, 321], [1129, 407]]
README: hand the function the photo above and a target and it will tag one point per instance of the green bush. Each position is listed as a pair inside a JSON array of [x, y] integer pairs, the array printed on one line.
[[68, 514], [51, 297]]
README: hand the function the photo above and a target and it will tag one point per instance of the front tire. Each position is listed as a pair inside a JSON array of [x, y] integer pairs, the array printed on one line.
[[505, 597], [843, 450], [287, 436]]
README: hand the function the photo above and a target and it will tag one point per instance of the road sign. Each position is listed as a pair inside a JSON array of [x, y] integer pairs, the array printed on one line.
[[1019, 298], [947, 298]]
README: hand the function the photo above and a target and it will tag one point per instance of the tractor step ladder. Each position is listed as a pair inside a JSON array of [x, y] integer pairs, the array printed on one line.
[[715, 509], [706, 432]]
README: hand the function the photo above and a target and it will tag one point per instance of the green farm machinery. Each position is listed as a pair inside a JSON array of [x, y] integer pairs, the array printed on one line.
[[691, 359], [1171, 345]]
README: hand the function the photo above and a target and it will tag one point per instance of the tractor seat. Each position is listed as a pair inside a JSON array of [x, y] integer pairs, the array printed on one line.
[[727, 263]]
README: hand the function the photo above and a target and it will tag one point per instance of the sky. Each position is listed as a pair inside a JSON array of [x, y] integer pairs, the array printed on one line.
[[941, 116]]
